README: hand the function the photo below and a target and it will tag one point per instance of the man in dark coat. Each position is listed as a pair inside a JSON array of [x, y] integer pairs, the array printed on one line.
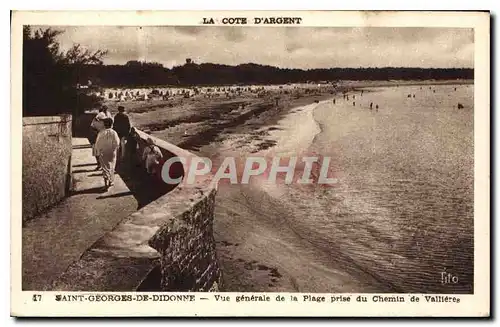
[[122, 127]]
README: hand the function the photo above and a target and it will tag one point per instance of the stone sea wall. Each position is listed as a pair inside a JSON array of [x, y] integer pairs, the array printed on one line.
[[167, 245], [46, 163]]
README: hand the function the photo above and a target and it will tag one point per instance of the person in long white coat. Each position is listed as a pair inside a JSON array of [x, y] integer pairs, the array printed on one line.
[[97, 125], [106, 148]]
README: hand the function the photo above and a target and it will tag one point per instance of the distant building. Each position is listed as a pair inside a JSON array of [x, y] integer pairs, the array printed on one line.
[[83, 86]]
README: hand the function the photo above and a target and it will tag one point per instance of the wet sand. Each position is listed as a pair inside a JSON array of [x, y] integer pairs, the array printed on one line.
[[193, 123], [259, 247], [255, 251], [389, 229], [257, 232]]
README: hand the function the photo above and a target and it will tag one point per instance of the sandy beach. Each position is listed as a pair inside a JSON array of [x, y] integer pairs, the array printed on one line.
[[265, 241], [195, 122]]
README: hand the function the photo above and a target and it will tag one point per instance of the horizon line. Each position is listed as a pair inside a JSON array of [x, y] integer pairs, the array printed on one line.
[[267, 65]]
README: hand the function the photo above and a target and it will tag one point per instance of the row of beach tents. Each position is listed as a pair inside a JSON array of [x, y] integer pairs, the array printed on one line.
[[145, 94]]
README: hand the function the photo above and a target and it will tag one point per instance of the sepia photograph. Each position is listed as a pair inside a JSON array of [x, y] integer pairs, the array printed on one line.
[[250, 153]]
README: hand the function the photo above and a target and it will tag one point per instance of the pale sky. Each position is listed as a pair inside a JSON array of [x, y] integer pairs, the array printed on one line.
[[287, 47]]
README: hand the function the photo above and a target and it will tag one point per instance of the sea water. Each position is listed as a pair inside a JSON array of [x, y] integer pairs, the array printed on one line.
[[402, 212]]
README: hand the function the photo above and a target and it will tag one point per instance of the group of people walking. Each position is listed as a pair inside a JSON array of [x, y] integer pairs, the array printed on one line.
[[110, 137]]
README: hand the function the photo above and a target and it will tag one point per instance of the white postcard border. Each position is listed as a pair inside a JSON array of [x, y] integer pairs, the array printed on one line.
[[470, 305]]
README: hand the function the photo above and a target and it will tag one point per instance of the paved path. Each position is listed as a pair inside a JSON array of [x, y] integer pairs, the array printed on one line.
[[53, 241]]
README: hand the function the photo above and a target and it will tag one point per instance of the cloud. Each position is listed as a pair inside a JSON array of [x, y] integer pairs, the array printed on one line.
[[188, 30], [233, 34], [291, 47]]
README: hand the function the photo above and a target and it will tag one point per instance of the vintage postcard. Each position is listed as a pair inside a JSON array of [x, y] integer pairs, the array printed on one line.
[[258, 163]]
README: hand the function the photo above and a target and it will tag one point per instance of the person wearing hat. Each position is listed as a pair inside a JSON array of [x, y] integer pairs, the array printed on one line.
[[96, 126], [151, 156], [106, 148], [104, 113], [122, 126]]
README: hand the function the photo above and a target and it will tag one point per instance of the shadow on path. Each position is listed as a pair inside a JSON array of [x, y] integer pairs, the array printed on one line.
[[82, 146], [92, 190], [85, 165], [144, 187], [83, 171], [116, 195]]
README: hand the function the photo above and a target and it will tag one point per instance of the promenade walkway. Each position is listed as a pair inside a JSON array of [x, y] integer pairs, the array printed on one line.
[[54, 240]]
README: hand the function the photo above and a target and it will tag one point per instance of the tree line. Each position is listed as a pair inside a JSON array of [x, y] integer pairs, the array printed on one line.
[[152, 74], [57, 81]]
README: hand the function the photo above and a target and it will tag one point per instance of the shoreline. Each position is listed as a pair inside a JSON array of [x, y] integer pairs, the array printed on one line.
[[197, 122], [366, 84], [276, 240], [273, 256]]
